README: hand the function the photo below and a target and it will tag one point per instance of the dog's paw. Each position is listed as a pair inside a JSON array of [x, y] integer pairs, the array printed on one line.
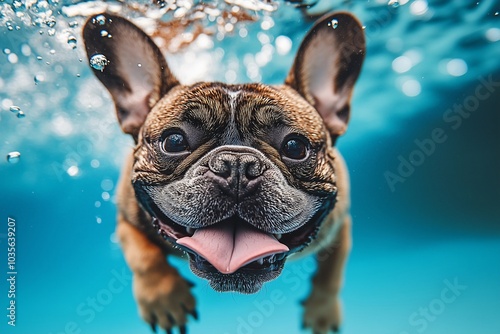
[[165, 300], [322, 312]]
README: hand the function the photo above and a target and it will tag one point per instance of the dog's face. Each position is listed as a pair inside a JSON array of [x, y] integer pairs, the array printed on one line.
[[238, 176], [232, 176]]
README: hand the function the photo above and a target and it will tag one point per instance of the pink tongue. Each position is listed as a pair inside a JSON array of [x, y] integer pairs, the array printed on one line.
[[230, 246]]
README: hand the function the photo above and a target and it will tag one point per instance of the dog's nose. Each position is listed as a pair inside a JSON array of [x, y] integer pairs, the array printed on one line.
[[237, 174]]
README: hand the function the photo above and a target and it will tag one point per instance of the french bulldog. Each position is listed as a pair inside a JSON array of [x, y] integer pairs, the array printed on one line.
[[235, 178]]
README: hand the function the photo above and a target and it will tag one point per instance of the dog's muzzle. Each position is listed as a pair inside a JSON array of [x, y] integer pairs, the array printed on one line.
[[233, 244], [237, 174], [235, 214]]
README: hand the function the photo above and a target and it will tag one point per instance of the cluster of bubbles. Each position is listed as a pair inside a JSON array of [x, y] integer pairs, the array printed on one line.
[[54, 16], [58, 22], [412, 59], [37, 13], [14, 157], [18, 111]]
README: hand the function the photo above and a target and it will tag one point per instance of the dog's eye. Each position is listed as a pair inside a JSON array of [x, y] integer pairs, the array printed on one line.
[[295, 148], [175, 143]]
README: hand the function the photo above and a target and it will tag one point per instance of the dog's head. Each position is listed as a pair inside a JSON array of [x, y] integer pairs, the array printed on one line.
[[238, 176]]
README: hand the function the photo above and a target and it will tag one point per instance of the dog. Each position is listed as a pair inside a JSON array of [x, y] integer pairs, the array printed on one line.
[[235, 178]]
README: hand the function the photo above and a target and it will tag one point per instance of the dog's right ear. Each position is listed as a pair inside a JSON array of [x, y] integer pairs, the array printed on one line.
[[135, 73]]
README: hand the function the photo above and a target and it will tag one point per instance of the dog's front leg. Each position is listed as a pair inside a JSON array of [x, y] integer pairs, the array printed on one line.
[[322, 308], [163, 296]]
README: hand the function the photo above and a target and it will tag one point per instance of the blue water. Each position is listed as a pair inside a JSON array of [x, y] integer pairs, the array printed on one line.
[[436, 227]]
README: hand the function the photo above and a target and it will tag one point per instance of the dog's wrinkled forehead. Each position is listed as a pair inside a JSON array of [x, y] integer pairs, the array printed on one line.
[[236, 114]]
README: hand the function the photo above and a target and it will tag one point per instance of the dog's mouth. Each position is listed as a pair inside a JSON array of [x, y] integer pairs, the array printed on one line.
[[232, 254]]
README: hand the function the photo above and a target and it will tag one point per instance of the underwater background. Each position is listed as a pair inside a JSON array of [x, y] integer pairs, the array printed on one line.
[[423, 151]]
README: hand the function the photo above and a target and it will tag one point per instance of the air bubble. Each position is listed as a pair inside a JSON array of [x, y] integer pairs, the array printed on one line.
[[104, 33], [95, 163], [333, 23], [73, 170], [100, 20], [411, 88], [99, 62], [13, 157], [456, 67], [51, 32], [39, 78], [17, 6], [73, 24], [105, 196], [26, 50], [107, 184], [283, 45], [41, 7], [51, 22], [72, 41], [13, 58], [393, 3], [243, 32], [419, 7], [15, 109], [493, 34], [21, 114]]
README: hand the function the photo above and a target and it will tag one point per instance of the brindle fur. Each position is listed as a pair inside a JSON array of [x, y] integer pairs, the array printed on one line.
[[249, 115]]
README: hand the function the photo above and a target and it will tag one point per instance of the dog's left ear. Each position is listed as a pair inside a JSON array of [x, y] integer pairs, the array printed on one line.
[[327, 65], [134, 70]]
